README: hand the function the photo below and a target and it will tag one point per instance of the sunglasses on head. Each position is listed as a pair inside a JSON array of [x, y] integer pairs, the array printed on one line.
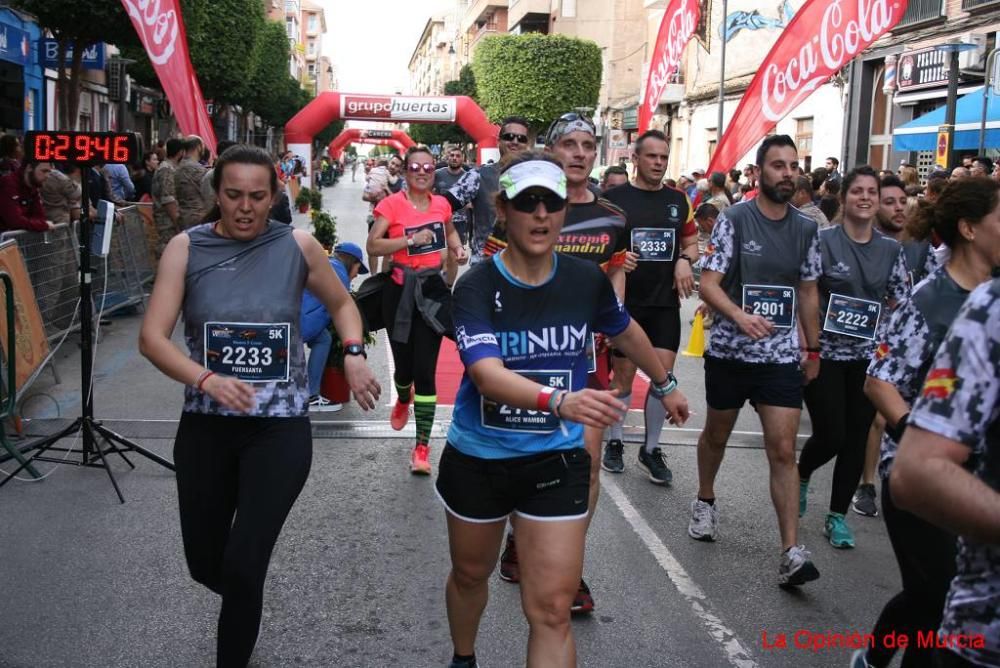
[[514, 136], [416, 168], [528, 202]]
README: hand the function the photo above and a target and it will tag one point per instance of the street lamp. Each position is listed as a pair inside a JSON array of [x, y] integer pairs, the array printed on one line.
[[952, 47]]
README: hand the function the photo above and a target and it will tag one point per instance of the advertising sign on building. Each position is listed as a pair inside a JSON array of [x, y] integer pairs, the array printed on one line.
[[925, 68], [14, 46], [391, 108], [93, 55]]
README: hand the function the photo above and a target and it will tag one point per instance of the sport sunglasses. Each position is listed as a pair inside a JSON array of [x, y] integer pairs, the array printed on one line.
[[514, 136], [528, 202]]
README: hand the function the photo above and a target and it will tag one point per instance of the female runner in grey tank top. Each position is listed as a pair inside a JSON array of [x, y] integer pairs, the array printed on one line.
[[244, 444]]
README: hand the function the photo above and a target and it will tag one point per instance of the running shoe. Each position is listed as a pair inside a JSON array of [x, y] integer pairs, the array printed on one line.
[[704, 524], [323, 405], [613, 462], [835, 528], [860, 659], [796, 568], [418, 460], [655, 466], [401, 413], [803, 494], [583, 602], [509, 569], [864, 501]]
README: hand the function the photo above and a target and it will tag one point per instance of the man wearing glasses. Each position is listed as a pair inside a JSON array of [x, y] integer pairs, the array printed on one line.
[[479, 186]]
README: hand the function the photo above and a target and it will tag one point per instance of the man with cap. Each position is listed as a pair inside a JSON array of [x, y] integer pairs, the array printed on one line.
[[348, 262]]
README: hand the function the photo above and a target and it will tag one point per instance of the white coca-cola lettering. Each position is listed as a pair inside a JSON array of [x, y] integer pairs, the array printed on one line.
[[841, 37], [158, 30], [680, 29]]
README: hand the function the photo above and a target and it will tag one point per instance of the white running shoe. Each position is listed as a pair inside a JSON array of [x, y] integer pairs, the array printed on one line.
[[704, 524], [796, 568]]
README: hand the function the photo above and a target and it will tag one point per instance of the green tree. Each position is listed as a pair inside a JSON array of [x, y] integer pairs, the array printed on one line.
[[436, 133], [269, 90], [76, 24], [536, 76], [465, 84], [219, 48]]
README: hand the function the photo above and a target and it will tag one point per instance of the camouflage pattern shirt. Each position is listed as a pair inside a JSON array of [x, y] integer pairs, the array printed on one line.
[[907, 346], [960, 401]]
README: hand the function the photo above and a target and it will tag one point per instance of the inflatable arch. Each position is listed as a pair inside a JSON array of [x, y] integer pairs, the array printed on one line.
[[397, 139], [334, 105]]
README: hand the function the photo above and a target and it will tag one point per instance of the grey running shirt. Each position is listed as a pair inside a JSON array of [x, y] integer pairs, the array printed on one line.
[[751, 249], [874, 271], [259, 281], [911, 339], [480, 187]]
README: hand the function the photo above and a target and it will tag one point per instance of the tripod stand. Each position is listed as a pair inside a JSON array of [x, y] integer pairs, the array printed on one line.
[[92, 432]]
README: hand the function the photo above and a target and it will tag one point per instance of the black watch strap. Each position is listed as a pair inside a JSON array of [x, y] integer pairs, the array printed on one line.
[[355, 349]]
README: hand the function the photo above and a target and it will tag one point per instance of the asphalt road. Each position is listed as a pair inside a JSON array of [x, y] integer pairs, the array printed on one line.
[[358, 574]]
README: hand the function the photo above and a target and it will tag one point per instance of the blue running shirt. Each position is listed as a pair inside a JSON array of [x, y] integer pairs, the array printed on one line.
[[541, 332]]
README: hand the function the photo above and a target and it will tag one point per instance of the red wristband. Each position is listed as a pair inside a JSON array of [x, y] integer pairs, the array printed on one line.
[[204, 377], [542, 400], [812, 356]]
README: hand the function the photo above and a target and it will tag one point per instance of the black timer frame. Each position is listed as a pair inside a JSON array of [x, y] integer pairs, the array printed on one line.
[[92, 432]]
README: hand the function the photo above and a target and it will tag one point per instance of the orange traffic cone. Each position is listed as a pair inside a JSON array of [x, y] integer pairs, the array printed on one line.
[[696, 344]]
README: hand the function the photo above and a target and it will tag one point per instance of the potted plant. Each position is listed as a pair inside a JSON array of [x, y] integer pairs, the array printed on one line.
[[324, 229], [316, 199], [303, 199], [334, 384]]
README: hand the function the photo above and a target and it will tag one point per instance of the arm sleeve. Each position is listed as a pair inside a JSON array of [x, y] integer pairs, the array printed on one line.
[[719, 252], [472, 313], [464, 190], [385, 208], [612, 318], [812, 267], [899, 280], [960, 398], [168, 190], [904, 350]]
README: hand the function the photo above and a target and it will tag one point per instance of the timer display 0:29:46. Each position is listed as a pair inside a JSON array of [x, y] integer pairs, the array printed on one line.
[[82, 147]]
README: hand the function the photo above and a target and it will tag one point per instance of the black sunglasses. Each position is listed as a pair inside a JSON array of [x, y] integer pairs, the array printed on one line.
[[514, 136], [528, 202]]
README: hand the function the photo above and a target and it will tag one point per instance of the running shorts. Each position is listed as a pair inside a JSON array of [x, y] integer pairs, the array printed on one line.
[[730, 383], [661, 324], [546, 486]]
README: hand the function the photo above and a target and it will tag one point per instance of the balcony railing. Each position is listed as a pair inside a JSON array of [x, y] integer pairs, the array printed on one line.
[[919, 11], [974, 4]]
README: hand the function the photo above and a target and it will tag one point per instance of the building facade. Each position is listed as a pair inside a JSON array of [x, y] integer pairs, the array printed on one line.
[[22, 96], [431, 62]]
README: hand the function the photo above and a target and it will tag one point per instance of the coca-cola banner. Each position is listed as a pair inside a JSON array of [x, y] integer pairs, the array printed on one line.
[[822, 37], [679, 23], [161, 30]]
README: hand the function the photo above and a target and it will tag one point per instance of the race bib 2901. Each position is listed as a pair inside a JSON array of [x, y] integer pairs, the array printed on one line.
[[251, 351], [774, 302]]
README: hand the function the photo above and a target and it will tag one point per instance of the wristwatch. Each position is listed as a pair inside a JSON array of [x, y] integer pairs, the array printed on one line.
[[660, 390], [355, 349], [685, 256], [409, 241]]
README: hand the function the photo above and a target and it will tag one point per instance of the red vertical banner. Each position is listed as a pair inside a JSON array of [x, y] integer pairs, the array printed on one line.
[[678, 26], [822, 37], [161, 31]]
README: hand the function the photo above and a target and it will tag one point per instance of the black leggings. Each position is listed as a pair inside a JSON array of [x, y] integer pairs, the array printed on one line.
[[926, 558], [841, 416], [237, 478], [416, 358]]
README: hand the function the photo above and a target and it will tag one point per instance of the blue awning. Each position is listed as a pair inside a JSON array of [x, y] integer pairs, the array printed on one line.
[[920, 134]]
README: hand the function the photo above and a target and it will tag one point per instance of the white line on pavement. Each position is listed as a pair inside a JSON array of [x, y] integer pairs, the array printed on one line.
[[737, 654], [384, 335]]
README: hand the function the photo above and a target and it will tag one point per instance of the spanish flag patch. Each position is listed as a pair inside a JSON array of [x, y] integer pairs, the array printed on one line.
[[939, 384], [882, 351]]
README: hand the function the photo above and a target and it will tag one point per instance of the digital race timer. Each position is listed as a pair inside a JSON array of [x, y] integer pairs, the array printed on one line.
[[82, 148]]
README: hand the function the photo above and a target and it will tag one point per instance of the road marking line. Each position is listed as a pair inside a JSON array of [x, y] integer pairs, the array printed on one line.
[[737, 654], [384, 335]]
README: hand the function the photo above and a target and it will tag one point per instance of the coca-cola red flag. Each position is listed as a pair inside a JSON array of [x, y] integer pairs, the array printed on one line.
[[161, 30], [679, 23], [819, 40]]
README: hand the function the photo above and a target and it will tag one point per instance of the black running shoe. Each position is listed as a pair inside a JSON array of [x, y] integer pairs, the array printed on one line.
[[613, 462], [655, 466], [864, 501]]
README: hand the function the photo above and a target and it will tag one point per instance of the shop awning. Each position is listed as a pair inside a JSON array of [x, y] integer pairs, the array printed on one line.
[[920, 134]]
